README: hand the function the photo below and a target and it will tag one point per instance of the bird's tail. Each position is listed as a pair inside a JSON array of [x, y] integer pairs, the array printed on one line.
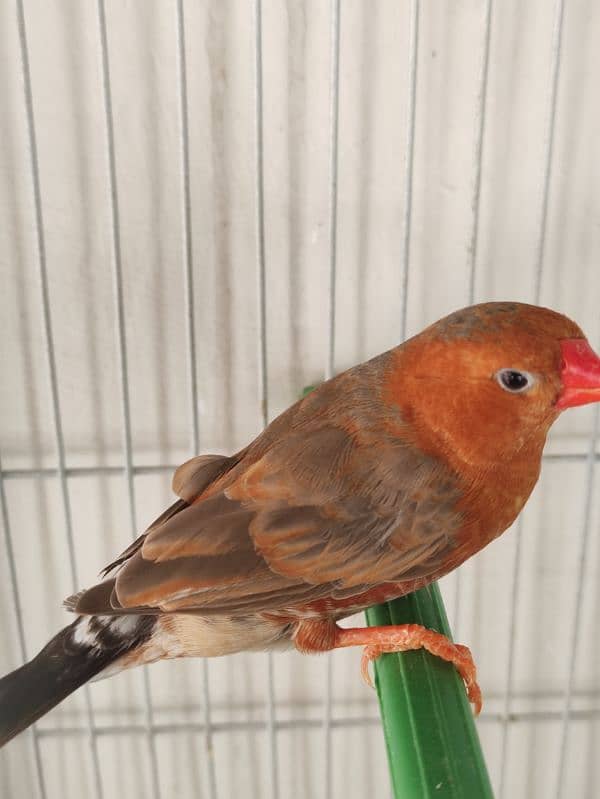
[[77, 654]]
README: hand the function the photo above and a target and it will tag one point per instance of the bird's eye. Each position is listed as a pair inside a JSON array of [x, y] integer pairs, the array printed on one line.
[[514, 381]]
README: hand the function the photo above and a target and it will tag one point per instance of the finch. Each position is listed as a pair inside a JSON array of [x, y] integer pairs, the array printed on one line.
[[379, 481]]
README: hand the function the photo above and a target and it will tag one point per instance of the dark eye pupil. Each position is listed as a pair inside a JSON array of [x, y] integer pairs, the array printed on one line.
[[514, 381]]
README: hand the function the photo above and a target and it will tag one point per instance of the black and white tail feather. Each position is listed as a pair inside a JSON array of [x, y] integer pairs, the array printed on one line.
[[92, 643], [77, 654]]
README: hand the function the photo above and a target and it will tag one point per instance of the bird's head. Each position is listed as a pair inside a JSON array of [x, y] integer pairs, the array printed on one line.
[[486, 382]]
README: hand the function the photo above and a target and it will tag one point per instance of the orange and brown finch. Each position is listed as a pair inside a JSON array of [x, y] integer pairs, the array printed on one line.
[[378, 482]]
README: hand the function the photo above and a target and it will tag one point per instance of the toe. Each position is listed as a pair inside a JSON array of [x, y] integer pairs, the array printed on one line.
[[369, 653]]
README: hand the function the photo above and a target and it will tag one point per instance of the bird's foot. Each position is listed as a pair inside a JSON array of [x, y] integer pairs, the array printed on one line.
[[401, 638], [321, 636]]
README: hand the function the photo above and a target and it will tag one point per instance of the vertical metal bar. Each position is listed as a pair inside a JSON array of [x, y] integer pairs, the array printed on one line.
[[14, 587], [510, 665], [413, 57], [208, 732], [50, 355], [263, 387], [480, 125], [272, 727], [191, 336], [576, 621], [333, 186], [334, 112], [327, 729], [121, 343], [260, 217], [549, 150], [187, 227], [476, 207]]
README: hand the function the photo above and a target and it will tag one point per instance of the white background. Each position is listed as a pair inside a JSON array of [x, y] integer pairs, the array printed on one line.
[[517, 149]]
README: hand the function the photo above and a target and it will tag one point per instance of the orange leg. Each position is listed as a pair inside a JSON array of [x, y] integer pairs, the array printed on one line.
[[321, 636]]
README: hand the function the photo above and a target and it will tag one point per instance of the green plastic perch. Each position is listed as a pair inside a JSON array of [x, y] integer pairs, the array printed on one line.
[[433, 746]]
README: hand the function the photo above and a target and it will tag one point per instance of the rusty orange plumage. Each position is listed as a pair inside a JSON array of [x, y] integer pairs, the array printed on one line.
[[381, 480]]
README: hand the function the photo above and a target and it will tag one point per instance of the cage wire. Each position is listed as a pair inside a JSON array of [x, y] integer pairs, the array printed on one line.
[[207, 207]]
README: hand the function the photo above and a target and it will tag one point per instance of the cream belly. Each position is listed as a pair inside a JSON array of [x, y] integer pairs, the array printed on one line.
[[179, 635]]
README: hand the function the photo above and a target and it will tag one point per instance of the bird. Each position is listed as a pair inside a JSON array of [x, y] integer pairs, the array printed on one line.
[[379, 481]]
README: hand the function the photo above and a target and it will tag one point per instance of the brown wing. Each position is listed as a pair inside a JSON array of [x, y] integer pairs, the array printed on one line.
[[325, 515], [315, 507]]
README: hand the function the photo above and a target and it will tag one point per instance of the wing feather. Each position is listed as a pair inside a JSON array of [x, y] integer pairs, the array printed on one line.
[[313, 508]]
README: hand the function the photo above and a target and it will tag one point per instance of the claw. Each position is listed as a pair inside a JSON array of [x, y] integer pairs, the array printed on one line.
[[400, 638], [322, 636], [370, 653]]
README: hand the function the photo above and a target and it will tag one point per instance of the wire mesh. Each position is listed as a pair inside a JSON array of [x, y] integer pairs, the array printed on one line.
[[254, 37]]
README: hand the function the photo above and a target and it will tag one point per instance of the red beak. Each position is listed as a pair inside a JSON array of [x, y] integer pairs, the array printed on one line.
[[580, 374]]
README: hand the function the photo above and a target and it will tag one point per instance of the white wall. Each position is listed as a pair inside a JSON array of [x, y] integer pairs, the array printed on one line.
[[68, 108]]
